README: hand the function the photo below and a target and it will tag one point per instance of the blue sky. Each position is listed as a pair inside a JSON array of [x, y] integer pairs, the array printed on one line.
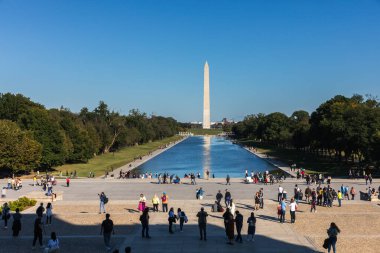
[[264, 56]]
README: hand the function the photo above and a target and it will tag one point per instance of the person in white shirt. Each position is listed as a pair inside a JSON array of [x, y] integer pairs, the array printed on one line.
[[293, 207], [53, 244], [280, 192]]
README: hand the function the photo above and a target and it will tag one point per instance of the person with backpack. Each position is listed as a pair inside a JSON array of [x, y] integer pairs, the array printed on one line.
[[332, 232], [164, 201], [144, 219], [106, 229], [251, 227], [181, 216], [103, 200], [40, 210], [171, 219], [239, 225], [202, 222]]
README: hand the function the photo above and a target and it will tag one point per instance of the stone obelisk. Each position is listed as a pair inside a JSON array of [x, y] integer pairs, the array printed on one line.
[[206, 97]]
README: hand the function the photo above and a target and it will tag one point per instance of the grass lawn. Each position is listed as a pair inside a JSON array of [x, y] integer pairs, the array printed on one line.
[[200, 131], [115, 160], [308, 161]]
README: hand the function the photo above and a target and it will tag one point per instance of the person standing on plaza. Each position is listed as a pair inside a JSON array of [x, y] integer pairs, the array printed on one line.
[[155, 202], [332, 232], [171, 219], [107, 229], [230, 227], [202, 221], [181, 216], [49, 213], [227, 198], [164, 201], [339, 198], [353, 193], [257, 201], [16, 226], [261, 196], [103, 200], [219, 197], [38, 227], [239, 225], [142, 202], [5, 214], [293, 207], [40, 210], [144, 219], [280, 192], [67, 182], [283, 210], [251, 227]]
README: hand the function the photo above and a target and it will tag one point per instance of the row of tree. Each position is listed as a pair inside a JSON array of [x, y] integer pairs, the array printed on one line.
[[342, 127], [32, 136]]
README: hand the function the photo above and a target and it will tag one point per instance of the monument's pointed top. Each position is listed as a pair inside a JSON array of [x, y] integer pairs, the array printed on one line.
[[206, 63]]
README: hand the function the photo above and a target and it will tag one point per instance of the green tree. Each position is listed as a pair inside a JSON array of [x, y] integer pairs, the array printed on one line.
[[18, 151]]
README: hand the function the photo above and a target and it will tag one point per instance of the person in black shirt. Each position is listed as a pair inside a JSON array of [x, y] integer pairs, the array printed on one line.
[[202, 221], [107, 229], [38, 226], [144, 219], [239, 226], [40, 210], [219, 197]]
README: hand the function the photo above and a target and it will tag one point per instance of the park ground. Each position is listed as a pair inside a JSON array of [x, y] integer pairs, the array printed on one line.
[[77, 221], [113, 160]]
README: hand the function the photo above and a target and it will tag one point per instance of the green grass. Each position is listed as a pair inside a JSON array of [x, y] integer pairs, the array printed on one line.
[[200, 131], [110, 161], [311, 162]]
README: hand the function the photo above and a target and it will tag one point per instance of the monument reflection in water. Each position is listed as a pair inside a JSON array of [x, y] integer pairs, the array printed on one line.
[[201, 153]]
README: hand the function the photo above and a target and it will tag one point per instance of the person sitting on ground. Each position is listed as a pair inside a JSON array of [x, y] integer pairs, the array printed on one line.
[[53, 244]]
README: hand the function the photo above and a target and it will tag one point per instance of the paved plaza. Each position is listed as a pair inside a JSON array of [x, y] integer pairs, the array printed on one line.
[[77, 221]]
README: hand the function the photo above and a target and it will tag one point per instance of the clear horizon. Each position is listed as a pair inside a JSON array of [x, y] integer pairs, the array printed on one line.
[[263, 56]]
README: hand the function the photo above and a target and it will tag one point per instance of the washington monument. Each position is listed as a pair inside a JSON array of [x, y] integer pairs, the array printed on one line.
[[206, 98]]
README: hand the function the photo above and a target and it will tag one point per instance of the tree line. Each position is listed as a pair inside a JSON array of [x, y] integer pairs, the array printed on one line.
[[341, 127], [32, 136]]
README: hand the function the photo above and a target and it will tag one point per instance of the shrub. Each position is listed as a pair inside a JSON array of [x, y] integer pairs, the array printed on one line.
[[22, 204]]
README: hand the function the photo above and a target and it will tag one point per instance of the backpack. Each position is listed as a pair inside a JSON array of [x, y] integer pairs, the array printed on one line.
[[105, 200], [184, 217]]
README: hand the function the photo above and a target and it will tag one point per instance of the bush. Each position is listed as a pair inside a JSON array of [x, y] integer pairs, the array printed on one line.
[[22, 204]]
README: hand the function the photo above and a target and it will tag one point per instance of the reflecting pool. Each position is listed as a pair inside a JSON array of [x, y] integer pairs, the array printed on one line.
[[201, 153]]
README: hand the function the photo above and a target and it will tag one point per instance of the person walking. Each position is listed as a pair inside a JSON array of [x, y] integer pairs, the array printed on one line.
[[202, 221], [280, 192], [38, 227], [107, 229], [53, 244], [293, 207], [181, 216], [239, 225], [251, 227], [164, 201], [16, 226], [333, 232], [103, 200], [144, 219], [142, 202], [155, 202], [40, 210], [49, 213], [171, 219], [228, 180], [5, 214]]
